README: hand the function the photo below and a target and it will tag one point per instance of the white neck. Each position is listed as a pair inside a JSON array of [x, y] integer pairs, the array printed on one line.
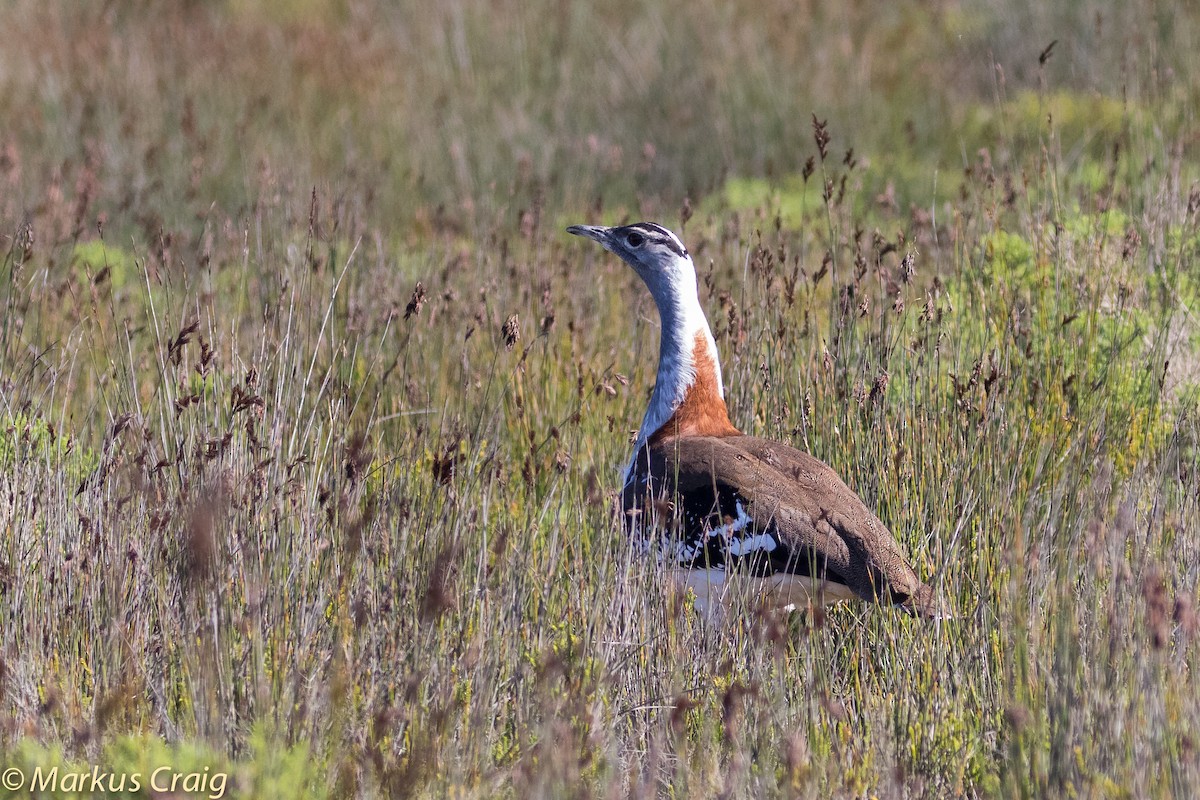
[[675, 293]]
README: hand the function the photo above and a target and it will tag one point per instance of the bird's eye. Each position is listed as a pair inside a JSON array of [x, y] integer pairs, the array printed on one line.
[[635, 239]]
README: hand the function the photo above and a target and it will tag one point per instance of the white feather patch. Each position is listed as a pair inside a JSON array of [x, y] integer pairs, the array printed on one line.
[[744, 545], [742, 521], [752, 544]]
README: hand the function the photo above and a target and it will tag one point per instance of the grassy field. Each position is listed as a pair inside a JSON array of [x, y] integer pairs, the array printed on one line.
[[312, 416]]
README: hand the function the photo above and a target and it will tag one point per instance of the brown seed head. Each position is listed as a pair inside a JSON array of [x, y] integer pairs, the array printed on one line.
[[416, 302], [821, 136], [511, 332]]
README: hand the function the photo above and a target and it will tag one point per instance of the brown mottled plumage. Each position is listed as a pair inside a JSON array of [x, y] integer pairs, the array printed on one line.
[[821, 528]]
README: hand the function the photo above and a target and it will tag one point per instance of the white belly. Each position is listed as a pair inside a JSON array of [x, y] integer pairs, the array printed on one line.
[[715, 590]]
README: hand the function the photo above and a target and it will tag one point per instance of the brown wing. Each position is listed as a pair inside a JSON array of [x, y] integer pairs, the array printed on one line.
[[747, 502]]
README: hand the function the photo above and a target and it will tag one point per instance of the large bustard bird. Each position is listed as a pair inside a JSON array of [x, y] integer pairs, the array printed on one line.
[[712, 501]]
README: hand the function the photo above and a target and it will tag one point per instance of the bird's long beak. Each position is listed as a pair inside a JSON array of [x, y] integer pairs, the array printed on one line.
[[597, 233]]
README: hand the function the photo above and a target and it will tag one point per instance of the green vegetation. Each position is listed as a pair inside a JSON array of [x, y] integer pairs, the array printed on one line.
[[312, 416]]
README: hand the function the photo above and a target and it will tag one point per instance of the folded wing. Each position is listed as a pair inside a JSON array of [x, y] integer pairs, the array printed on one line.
[[739, 502]]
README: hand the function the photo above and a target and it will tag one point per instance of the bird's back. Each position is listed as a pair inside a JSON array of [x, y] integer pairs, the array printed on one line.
[[770, 509]]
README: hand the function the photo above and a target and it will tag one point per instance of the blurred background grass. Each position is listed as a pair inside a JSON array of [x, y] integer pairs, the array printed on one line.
[[406, 108], [272, 504]]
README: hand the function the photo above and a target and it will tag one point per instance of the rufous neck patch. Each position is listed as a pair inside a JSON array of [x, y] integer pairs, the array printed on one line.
[[702, 411]]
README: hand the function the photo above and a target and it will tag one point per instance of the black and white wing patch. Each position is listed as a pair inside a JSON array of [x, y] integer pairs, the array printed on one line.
[[702, 528], [720, 531]]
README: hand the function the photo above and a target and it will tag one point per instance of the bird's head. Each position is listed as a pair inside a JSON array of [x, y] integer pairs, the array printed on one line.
[[655, 253]]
